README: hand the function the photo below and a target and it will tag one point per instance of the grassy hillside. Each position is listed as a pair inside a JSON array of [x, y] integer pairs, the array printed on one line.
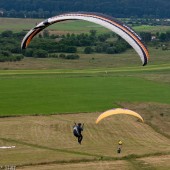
[[40, 140]]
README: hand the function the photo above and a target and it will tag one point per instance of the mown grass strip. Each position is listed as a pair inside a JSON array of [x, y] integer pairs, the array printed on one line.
[[87, 71], [130, 158], [51, 149]]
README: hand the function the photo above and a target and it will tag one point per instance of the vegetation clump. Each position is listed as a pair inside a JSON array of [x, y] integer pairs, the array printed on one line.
[[70, 46]]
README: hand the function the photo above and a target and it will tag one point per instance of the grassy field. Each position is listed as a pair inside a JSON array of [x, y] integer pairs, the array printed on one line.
[[69, 93], [39, 140], [19, 24], [40, 99], [84, 94], [94, 86], [152, 29]]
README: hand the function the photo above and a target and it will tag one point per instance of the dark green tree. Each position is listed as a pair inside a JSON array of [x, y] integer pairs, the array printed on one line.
[[146, 36], [39, 53], [88, 50]]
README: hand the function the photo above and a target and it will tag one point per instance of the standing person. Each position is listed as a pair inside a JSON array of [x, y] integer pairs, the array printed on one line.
[[77, 129], [119, 146]]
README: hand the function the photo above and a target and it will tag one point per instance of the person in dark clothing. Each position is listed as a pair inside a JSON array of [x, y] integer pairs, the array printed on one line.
[[119, 146], [77, 129]]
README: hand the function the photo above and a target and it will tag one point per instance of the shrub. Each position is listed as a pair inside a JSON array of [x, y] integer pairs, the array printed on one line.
[[70, 49], [72, 56], [53, 55], [62, 56], [40, 53], [5, 53], [88, 50], [11, 58], [29, 52], [110, 50]]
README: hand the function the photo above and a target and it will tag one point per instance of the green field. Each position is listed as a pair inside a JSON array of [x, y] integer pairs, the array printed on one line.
[[152, 29], [18, 24], [68, 93]]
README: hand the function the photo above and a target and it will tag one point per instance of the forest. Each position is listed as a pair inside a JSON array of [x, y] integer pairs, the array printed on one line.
[[115, 8]]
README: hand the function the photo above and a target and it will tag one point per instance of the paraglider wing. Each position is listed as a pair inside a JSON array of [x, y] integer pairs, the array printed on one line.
[[108, 22], [118, 111]]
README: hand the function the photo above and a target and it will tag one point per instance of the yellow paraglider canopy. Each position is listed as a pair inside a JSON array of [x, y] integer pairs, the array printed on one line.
[[118, 111]]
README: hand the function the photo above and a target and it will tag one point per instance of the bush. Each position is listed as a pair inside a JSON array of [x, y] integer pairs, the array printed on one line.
[[88, 50], [29, 52], [11, 58], [7, 33], [53, 55], [72, 57], [69, 56], [98, 49], [62, 56], [5, 53], [70, 49], [40, 53], [3, 58], [110, 50], [16, 49]]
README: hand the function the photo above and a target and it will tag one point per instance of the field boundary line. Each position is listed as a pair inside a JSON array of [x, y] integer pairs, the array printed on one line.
[[132, 159], [85, 71], [52, 149]]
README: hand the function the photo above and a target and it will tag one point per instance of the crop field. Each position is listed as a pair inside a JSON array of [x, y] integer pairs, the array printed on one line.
[[69, 93], [40, 99], [18, 24], [152, 29]]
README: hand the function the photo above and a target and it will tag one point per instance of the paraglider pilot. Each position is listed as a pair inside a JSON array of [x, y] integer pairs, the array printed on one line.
[[119, 146], [77, 129]]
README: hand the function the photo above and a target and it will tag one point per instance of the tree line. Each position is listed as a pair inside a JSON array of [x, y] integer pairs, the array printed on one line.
[[51, 45], [116, 8], [70, 45], [10, 46]]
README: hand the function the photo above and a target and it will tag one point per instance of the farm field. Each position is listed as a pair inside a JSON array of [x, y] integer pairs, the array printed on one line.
[[50, 94], [40, 99], [20, 24]]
